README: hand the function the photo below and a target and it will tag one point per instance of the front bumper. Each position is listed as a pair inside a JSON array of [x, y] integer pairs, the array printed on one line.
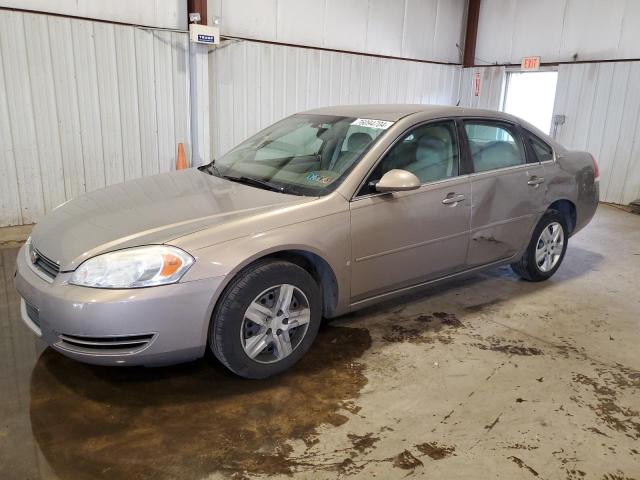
[[144, 326]]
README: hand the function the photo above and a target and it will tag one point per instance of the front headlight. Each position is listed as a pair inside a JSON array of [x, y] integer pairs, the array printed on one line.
[[133, 268]]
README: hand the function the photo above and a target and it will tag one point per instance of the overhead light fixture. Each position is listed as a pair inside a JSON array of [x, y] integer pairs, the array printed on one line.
[[194, 17]]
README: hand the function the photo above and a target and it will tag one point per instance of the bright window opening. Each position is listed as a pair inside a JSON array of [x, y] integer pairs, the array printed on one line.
[[530, 96]]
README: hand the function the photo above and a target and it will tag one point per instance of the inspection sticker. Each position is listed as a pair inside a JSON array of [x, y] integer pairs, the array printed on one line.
[[316, 177], [377, 124]]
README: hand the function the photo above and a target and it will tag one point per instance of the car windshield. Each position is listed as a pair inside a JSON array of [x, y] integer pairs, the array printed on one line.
[[303, 154]]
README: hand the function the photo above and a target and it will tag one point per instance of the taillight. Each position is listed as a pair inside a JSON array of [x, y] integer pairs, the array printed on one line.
[[596, 170]]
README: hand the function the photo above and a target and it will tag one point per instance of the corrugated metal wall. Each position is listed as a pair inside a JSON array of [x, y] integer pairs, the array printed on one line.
[[601, 102], [254, 84], [415, 29], [491, 84], [557, 30], [83, 105]]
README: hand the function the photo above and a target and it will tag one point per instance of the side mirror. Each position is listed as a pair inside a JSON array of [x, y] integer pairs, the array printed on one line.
[[397, 181]]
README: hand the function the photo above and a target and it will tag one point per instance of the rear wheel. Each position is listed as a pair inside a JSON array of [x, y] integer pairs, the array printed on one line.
[[266, 319], [546, 249]]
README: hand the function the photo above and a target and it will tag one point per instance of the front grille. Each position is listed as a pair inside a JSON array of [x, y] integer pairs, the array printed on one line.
[[33, 313], [44, 264], [119, 344]]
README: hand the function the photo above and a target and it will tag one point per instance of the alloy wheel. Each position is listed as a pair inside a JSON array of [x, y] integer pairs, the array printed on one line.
[[275, 323], [549, 247]]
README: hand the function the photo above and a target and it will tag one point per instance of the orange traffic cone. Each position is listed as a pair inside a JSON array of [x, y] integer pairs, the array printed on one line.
[[181, 162]]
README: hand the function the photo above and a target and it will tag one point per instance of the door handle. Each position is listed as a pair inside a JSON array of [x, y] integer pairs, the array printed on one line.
[[535, 181], [453, 199]]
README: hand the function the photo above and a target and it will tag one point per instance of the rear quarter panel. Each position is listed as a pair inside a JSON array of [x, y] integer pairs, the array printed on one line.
[[571, 177]]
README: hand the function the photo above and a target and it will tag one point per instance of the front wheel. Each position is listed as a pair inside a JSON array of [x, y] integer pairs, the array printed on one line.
[[546, 249], [266, 319]]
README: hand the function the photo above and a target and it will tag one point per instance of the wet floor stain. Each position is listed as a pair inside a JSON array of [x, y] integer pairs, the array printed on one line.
[[500, 345], [522, 446], [619, 475], [479, 307], [406, 461], [362, 443], [575, 474], [191, 420], [435, 451], [422, 328], [356, 456], [523, 465], [606, 389]]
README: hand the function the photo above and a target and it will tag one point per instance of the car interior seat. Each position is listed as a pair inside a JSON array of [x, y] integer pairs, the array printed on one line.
[[496, 154], [356, 143], [434, 156]]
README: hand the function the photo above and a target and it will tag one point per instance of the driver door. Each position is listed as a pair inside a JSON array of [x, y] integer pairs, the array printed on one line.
[[404, 238]]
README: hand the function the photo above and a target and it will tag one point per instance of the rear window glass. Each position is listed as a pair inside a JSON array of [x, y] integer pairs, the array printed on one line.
[[543, 151], [493, 145]]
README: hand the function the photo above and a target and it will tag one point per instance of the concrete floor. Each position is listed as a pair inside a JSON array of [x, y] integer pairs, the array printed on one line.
[[491, 377]]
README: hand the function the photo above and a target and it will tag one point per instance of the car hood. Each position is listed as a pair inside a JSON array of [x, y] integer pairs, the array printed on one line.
[[150, 210]]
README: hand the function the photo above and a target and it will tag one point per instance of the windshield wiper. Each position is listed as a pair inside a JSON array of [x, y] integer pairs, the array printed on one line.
[[211, 169], [254, 182]]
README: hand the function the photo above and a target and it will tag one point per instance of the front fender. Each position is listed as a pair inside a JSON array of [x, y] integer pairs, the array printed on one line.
[[326, 237]]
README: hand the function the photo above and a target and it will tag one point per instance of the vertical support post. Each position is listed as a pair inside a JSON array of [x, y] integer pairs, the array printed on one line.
[[199, 99], [471, 34], [199, 6], [199, 91]]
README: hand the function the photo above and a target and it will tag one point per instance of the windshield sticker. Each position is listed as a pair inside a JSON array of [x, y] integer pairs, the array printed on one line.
[[316, 177], [367, 122]]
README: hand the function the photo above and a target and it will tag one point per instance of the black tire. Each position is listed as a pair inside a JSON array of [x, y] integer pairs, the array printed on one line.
[[224, 332], [527, 268]]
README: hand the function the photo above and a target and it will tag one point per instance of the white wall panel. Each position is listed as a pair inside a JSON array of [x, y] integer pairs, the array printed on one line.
[[84, 51], [107, 90], [66, 95], [420, 24], [45, 109], [491, 82], [602, 107], [9, 198], [592, 29], [85, 104], [449, 31], [21, 118], [128, 102], [345, 24], [154, 13], [531, 18], [418, 29], [557, 30], [255, 84], [291, 28], [384, 27]]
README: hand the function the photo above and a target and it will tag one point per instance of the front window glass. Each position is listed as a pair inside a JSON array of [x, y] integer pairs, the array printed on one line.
[[429, 151], [303, 154], [493, 146]]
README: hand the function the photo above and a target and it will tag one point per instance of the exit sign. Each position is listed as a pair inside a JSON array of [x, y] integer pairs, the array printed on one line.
[[530, 63]]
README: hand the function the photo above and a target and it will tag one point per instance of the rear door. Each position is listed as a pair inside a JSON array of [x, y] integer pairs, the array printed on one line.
[[507, 190]]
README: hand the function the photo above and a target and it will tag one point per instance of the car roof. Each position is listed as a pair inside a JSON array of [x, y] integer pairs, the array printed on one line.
[[395, 112]]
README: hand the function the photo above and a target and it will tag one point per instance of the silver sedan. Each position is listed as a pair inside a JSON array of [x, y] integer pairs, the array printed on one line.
[[320, 214]]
